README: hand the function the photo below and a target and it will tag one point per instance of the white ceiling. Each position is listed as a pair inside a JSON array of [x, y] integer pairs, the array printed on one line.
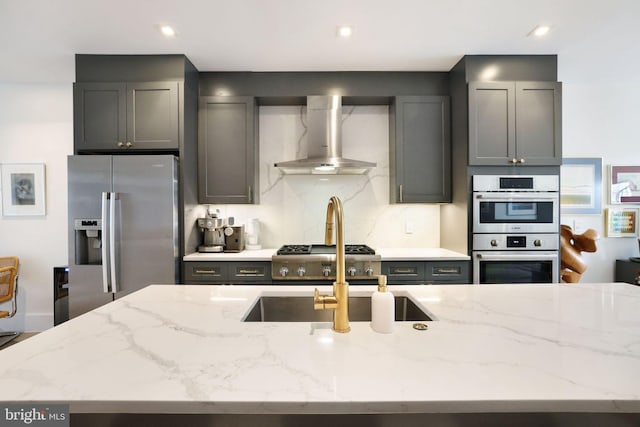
[[40, 37]]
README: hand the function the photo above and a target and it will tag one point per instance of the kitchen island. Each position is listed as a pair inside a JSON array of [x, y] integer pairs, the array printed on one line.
[[557, 350]]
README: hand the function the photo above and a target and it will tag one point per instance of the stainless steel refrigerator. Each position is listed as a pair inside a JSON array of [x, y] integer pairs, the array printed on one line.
[[123, 226]]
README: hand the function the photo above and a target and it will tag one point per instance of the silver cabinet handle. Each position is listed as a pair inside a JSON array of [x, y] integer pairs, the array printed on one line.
[[250, 195], [129, 144], [401, 194]]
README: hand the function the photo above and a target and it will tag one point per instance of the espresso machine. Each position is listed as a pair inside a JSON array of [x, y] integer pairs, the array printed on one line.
[[212, 227], [219, 234]]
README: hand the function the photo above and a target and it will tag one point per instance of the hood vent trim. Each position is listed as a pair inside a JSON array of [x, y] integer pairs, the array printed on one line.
[[324, 130]]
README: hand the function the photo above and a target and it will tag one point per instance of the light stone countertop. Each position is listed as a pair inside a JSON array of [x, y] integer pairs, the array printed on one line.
[[493, 348], [387, 254]]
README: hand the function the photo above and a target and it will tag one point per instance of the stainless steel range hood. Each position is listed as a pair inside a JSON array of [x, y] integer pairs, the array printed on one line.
[[324, 142]]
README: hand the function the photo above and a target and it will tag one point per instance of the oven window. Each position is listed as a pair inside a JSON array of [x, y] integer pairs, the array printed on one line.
[[496, 272], [516, 212]]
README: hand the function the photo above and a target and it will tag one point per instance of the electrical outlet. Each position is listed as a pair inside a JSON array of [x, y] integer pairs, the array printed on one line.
[[408, 227]]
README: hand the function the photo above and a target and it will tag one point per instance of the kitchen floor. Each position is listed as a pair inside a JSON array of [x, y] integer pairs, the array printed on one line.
[[23, 336]]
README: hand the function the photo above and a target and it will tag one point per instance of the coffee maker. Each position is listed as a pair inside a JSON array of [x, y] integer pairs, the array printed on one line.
[[212, 227], [219, 234]]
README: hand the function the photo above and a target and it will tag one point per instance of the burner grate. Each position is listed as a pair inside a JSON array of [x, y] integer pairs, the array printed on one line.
[[322, 249], [294, 250]]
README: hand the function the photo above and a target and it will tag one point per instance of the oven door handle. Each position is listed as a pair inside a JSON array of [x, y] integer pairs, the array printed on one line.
[[518, 257], [532, 197]]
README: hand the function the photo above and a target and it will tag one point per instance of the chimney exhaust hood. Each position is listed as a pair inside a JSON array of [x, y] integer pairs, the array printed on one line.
[[324, 141]]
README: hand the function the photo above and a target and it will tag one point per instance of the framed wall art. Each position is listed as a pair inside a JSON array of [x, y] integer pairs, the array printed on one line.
[[581, 186], [23, 189], [622, 222], [625, 184]]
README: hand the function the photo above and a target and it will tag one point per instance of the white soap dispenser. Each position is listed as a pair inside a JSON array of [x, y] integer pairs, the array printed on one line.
[[382, 308]]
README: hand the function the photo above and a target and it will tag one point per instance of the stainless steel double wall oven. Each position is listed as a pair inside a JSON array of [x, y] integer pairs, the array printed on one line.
[[515, 229]]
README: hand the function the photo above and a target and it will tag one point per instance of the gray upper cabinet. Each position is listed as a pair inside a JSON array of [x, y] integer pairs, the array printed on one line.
[[515, 123], [126, 116], [227, 150], [420, 150]]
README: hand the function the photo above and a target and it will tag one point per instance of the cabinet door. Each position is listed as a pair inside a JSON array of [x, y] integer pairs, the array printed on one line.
[[492, 121], [152, 116], [227, 155], [420, 150], [539, 123], [99, 116]]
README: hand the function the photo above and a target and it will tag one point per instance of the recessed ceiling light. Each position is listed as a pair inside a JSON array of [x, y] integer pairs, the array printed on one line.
[[167, 30], [345, 31], [540, 30]]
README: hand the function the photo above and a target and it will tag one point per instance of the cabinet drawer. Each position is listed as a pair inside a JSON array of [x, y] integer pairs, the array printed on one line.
[[403, 270], [240, 272], [205, 272], [447, 272]]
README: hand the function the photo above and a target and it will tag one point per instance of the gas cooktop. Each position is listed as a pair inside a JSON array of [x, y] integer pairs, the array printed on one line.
[[324, 250], [318, 262]]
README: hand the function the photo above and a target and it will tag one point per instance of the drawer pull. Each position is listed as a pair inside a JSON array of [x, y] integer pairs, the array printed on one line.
[[201, 271], [451, 270], [245, 272], [403, 271]]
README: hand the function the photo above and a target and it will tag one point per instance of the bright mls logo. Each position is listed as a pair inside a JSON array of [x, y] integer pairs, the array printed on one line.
[[34, 415]]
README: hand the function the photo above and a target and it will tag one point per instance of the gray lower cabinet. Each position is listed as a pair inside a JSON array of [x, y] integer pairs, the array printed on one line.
[[227, 272], [420, 149], [515, 123], [427, 272], [227, 150], [112, 117]]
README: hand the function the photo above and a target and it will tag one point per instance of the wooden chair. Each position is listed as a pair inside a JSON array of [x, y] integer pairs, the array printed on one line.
[[8, 292]]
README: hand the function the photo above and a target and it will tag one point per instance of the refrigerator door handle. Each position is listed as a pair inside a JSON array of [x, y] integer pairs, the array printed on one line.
[[112, 243], [105, 243]]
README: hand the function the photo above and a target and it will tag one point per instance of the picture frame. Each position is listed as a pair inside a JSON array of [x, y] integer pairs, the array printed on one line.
[[581, 185], [625, 184], [23, 189], [622, 222]]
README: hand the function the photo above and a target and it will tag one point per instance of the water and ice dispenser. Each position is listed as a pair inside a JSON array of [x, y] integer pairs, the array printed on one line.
[[88, 237]]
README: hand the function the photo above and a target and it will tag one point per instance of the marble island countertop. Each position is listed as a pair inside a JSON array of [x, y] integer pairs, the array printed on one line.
[[493, 348], [387, 254]]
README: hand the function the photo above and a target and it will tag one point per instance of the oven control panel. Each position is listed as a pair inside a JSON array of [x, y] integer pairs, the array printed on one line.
[[529, 242]]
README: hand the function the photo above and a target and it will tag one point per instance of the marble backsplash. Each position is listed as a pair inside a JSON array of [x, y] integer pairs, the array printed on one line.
[[292, 208]]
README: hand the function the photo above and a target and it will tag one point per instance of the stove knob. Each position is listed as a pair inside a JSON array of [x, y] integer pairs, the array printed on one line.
[[326, 271], [369, 271], [494, 242], [301, 271], [351, 271], [284, 271], [537, 243]]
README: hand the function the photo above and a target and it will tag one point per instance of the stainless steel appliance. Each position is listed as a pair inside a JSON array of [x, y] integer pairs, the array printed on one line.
[[318, 263], [212, 227], [234, 238], [521, 204], [515, 229], [123, 226], [510, 258], [324, 151]]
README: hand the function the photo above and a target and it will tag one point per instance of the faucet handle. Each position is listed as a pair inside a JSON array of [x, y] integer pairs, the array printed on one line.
[[324, 302]]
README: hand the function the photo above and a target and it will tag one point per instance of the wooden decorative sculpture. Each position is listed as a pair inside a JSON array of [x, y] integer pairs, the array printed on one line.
[[571, 245]]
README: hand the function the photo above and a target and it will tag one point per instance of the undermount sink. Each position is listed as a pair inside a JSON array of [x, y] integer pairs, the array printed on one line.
[[300, 309]]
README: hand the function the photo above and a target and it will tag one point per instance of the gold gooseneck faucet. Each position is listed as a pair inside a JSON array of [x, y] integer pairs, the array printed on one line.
[[339, 301]]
